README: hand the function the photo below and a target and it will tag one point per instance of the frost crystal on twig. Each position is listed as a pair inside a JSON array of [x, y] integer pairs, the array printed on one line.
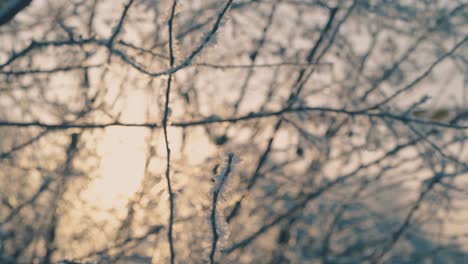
[[220, 181]]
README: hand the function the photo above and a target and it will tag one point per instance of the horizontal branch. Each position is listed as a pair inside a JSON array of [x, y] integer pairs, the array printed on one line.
[[48, 71], [217, 120], [260, 65]]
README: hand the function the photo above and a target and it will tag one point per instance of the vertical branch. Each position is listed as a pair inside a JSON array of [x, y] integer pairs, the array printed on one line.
[[219, 184], [168, 150]]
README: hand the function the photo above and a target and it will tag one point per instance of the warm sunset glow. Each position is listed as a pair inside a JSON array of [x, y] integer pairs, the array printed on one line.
[[223, 131], [123, 153]]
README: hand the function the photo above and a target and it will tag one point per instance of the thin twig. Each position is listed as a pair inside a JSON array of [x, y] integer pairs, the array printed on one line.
[[168, 149], [118, 28], [189, 59], [49, 71], [304, 200]]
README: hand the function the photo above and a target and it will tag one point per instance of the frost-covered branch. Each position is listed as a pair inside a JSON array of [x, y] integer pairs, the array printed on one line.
[[219, 183]]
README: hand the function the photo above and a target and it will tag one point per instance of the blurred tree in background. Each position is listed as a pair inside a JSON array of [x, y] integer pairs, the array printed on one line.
[[245, 131]]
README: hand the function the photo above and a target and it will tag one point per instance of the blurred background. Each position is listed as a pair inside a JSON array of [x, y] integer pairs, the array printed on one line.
[[245, 131]]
